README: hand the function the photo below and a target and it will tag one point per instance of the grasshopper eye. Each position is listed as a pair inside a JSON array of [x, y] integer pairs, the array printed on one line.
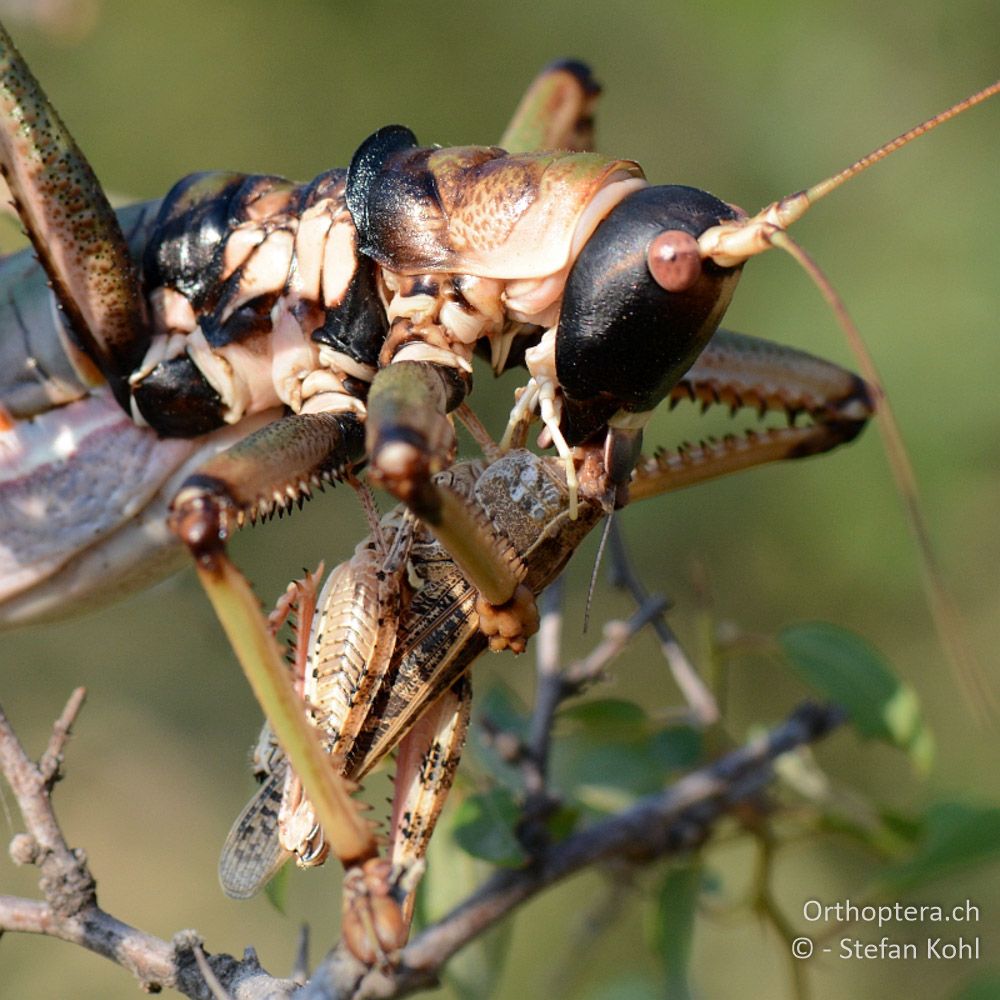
[[674, 260]]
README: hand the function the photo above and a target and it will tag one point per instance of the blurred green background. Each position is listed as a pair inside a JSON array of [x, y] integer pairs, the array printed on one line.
[[750, 101]]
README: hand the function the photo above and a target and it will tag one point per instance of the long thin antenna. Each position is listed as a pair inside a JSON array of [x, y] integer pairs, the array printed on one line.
[[733, 243], [824, 187], [970, 676]]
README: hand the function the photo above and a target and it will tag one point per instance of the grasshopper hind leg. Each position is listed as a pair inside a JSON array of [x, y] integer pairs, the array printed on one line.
[[379, 895]]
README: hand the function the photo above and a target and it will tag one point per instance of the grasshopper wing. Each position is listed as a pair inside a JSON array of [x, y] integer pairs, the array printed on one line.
[[252, 853]]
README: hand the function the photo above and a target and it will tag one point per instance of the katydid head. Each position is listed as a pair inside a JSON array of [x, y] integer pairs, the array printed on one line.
[[640, 304], [637, 310]]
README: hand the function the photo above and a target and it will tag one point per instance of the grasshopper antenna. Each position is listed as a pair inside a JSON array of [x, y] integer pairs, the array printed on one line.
[[735, 242], [605, 534], [490, 449], [370, 507]]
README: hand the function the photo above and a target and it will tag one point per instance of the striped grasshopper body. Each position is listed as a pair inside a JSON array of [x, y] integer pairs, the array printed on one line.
[[381, 663]]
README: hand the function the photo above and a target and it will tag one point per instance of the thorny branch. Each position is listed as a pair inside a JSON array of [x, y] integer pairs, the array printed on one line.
[[669, 822]]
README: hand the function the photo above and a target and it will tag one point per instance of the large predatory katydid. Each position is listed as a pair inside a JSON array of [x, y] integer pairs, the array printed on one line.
[[594, 376]]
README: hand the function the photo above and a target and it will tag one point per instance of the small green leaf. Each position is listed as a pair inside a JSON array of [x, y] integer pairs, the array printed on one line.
[[604, 776], [847, 669], [607, 754], [607, 718], [903, 825], [484, 827], [673, 927], [956, 836], [678, 748], [277, 889]]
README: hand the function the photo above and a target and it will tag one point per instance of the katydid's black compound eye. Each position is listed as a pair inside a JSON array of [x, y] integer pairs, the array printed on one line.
[[639, 305], [674, 260]]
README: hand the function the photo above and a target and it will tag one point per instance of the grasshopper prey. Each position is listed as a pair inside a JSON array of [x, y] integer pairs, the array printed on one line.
[[382, 656]]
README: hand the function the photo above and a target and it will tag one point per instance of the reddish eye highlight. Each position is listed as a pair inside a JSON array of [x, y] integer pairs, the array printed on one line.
[[674, 260]]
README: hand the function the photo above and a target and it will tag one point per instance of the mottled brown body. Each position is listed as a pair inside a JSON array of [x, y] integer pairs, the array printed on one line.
[[421, 704], [368, 698]]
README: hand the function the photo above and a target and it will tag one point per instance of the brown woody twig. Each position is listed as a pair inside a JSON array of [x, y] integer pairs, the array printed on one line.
[[669, 822], [69, 910]]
